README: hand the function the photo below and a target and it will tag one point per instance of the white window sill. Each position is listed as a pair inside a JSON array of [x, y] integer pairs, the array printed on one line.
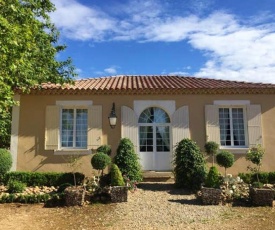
[[72, 152], [235, 150]]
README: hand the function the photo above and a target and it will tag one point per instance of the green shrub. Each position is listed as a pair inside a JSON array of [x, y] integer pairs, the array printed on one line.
[[100, 161], [116, 176], [257, 184], [105, 180], [246, 177], [15, 186], [213, 178], [189, 165], [211, 148], [5, 161], [225, 159], [43, 178], [271, 177], [105, 149], [62, 187], [127, 160]]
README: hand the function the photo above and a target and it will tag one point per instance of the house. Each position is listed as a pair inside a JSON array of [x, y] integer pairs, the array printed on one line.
[[155, 112]]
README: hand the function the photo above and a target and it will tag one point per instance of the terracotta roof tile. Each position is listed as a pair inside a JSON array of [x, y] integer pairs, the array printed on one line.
[[161, 84]]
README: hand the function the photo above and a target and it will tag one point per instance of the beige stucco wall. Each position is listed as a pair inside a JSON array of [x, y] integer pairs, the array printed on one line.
[[32, 156]]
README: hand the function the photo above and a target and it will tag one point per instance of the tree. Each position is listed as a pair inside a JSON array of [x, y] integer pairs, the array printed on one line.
[[255, 155], [225, 159], [211, 148], [28, 49]]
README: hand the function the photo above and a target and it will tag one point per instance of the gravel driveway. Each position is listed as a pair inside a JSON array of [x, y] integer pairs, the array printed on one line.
[[161, 206]]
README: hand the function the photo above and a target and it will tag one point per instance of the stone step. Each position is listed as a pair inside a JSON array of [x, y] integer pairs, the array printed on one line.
[[158, 176]]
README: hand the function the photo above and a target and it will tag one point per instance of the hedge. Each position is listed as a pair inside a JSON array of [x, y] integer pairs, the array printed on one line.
[[43, 178], [264, 177]]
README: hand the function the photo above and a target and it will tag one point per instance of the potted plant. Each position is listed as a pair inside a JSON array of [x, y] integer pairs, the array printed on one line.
[[119, 192], [259, 196], [74, 195], [211, 194], [211, 148]]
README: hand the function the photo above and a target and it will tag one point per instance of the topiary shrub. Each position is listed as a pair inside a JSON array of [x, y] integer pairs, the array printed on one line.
[[5, 161], [15, 186], [225, 159], [255, 155], [100, 161], [105, 149], [211, 148], [116, 176], [127, 160], [213, 178], [189, 165]]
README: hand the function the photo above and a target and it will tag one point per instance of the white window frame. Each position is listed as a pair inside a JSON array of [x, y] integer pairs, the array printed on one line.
[[232, 146], [77, 104]]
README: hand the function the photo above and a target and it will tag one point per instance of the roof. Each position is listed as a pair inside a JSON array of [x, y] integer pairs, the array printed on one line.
[[134, 84]]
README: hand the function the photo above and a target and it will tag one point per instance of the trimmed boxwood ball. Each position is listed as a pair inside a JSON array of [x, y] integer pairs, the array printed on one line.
[[211, 148], [5, 161], [100, 161], [225, 159], [116, 176], [104, 149]]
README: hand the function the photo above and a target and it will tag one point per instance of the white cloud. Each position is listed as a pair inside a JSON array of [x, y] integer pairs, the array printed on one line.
[[110, 70], [235, 50]]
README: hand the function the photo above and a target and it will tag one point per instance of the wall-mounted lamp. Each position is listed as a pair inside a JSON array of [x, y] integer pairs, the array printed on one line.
[[113, 117]]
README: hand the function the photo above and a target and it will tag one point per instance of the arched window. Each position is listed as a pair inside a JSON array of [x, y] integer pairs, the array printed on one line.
[[154, 115], [154, 130]]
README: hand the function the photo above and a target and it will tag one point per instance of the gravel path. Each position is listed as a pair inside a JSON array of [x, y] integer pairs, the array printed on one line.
[[161, 206]]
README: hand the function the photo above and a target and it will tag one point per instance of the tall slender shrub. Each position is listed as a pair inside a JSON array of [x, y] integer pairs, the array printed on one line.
[[189, 165], [213, 178], [128, 161]]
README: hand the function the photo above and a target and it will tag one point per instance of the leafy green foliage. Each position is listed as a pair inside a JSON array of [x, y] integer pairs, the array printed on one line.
[[43, 178], [127, 160], [28, 49], [62, 187], [255, 155], [225, 159], [189, 165], [100, 161], [213, 178], [116, 176], [211, 148], [5, 161], [15, 186], [105, 149]]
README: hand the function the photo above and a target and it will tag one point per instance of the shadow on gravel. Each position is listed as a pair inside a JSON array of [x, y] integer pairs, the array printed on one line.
[[188, 202], [168, 187]]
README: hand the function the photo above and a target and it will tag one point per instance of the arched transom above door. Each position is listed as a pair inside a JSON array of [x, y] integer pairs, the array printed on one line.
[[154, 115]]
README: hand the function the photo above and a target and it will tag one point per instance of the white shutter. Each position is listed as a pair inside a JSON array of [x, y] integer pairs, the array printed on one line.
[[180, 124], [212, 123], [52, 127], [94, 126], [129, 125], [254, 125]]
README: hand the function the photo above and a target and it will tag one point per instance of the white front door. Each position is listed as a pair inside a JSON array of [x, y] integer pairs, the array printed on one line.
[[154, 140]]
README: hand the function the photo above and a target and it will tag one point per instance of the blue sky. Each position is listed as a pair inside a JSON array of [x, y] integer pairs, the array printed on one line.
[[220, 39]]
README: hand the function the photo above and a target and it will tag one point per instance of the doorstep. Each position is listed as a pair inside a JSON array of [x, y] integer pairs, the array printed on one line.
[[158, 176]]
